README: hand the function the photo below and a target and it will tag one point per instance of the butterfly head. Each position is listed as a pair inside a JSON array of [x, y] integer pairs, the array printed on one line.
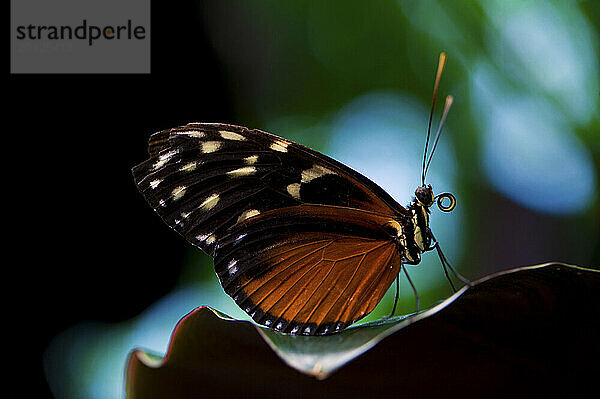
[[419, 208], [425, 198], [424, 195]]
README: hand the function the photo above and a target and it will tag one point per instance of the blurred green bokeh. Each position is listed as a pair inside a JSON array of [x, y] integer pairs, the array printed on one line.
[[353, 79]]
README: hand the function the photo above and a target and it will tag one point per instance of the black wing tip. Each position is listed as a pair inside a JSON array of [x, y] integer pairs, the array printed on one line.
[[158, 141]]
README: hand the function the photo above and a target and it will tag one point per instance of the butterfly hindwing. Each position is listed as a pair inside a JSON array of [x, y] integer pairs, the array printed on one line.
[[308, 269]]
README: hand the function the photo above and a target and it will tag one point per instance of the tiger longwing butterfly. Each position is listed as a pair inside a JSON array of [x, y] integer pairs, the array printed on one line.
[[301, 242]]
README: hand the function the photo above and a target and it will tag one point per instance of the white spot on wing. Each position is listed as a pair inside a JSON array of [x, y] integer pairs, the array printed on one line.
[[294, 190], [211, 146], [202, 237], [206, 238], [198, 134], [231, 267], [155, 183], [178, 192], [245, 171], [167, 155], [314, 173], [227, 135], [163, 159], [210, 202], [188, 167], [248, 214], [279, 145], [251, 159]]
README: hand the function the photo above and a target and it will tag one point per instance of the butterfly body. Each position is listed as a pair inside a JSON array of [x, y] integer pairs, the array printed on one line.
[[301, 242]]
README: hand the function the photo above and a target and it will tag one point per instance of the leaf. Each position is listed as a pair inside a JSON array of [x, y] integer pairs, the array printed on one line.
[[528, 330]]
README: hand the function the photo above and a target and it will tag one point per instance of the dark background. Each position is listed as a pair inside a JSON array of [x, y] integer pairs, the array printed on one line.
[[89, 244], [86, 245]]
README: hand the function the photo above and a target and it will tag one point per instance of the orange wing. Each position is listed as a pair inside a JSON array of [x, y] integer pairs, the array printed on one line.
[[312, 282], [320, 286]]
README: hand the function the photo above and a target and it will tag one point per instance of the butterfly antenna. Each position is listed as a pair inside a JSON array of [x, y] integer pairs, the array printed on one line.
[[438, 76], [447, 106]]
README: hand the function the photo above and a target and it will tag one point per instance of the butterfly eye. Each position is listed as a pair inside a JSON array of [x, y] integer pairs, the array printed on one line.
[[440, 202], [425, 195]]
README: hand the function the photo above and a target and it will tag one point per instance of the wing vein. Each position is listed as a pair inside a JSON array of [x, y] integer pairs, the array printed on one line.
[[287, 267], [364, 255]]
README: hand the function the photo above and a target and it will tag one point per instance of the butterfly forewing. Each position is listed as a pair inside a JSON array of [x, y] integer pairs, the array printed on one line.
[[274, 215]]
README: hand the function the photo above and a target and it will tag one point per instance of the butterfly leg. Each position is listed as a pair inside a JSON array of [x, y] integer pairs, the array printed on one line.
[[439, 252], [446, 265], [396, 298], [413, 288], [445, 261]]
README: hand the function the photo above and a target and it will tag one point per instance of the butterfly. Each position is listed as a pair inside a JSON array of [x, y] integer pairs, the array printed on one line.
[[301, 242]]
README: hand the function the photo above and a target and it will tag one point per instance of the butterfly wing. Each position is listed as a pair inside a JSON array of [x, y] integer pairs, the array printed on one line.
[[308, 269], [203, 178], [223, 186]]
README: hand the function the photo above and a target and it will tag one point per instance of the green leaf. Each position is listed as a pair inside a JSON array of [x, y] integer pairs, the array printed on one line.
[[522, 328]]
